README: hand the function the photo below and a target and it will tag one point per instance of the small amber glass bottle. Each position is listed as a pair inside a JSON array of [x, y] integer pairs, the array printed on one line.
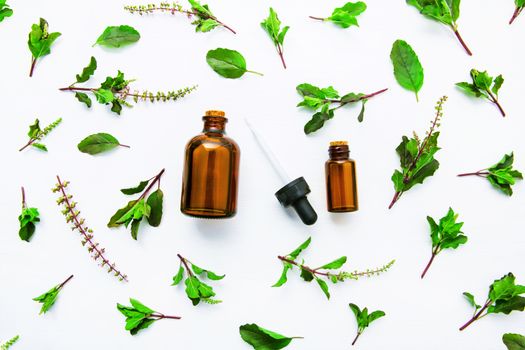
[[341, 182], [211, 171]]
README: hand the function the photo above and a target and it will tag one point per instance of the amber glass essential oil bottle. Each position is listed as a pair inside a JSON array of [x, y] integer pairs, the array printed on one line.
[[211, 171], [341, 182]]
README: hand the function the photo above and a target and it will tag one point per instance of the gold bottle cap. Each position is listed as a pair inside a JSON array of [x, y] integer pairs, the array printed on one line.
[[214, 113], [339, 143]]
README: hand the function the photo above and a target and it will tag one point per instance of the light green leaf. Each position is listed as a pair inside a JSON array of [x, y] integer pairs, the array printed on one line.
[[299, 249], [118, 36], [263, 339], [334, 264], [227, 63], [283, 279], [346, 16], [324, 287], [178, 277], [407, 68], [514, 341]]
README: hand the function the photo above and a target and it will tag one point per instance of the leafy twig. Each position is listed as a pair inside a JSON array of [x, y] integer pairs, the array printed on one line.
[[345, 16], [116, 90], [446, 235], [5, 11], [205, 19], [72, 215], [139, 316], [196, 290], [364, 319], [272, 26], [308, 274], [321, 99], [48, 298], [484, 86], [501, 175], [40, 41], [36, 134], [417, 158], [504, 297], [136, 210]]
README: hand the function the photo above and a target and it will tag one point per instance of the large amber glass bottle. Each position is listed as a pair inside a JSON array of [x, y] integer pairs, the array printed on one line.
[[211, 171], [341, 182]]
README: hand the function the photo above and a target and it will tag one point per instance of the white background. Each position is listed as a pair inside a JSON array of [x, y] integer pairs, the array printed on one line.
[[420, 314]]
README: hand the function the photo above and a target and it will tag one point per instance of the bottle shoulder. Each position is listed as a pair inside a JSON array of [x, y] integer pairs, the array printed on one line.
[[212, 142]]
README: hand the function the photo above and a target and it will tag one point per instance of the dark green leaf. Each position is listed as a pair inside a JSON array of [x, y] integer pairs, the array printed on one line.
[[84, 98], [407, 68], [515, 303], [470, 89], [117, 36], [155, 201], [88, 71], [514, 341], [115, 220], [98, 143], [263, 339], [133, 190], [375, 315], [135, 224], [306, 275]]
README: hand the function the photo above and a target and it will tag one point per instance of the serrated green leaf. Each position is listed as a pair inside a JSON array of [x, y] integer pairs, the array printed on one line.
[[118, 36], [98, 143], [514, 341], [88, 71]]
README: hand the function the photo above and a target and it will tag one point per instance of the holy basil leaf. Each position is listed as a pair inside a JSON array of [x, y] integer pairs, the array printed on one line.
[[346, 16], [98, 143], [47, 299], [299, 249], [133, 190], [115, 220], [263, 339], [28, 218], [118, 36], [227, 63], [155, 201], [483, 86], [407, 68], [84, 98], [283, 279], [5, 11], [139, 317], [40, 41], [336, 264], [179, 276], [272, 26], [88, 71], [514, 341], [324, 287]]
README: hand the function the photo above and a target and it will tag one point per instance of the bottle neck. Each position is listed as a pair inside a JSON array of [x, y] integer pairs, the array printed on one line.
[[214, 125], [339, 152]]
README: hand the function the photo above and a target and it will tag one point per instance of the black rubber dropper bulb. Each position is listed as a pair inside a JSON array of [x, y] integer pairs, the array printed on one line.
[[294, 192]]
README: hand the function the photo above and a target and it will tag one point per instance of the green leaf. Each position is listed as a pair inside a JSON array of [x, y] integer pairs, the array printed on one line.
[[334, 264], [375, 315], [179, 276], [140, 307], [398, 180], [424, 172], [133, 190], [263, 339], [28, 218], [116, 106], [227, 63], [361, 115], [135, 224], [515, 303], [84, 98], [47, 299], [470, 89], [272, 26], [470, 298], [317, 121], [498, 82], [104, 96], [346, 16], [39, 146], [34, 129], [155, 201], [116, 219], [192, 289], [324, 287], [283, 279], [117, 36], [482, 80], [206, 25], [453, 242], [88, 71], [98, 143], [505, 288], [299, 249], [306, 275], [514, 341], [5, 12], [407, 68], [355, 309], [40, 40]]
